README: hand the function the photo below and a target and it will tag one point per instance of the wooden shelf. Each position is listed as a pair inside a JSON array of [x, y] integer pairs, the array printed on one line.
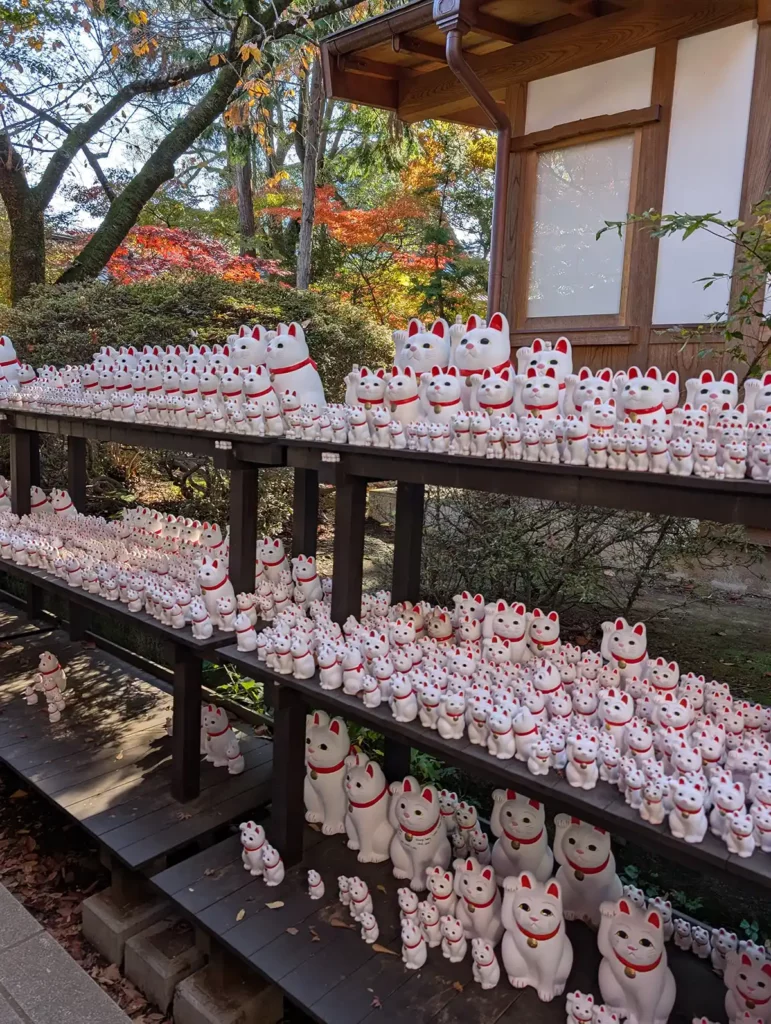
[[337, 978], [746, 502], [603, 806], [114, 609], [108, 763]]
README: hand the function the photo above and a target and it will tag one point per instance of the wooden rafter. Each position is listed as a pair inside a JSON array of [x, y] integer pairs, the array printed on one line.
[[615, 35], [405, 43], [497, 28]]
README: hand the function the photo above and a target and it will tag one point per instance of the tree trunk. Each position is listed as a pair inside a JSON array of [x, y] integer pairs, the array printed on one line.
[[310, 166], [25, 218], [159, 168], [27, 252], [241, 163]]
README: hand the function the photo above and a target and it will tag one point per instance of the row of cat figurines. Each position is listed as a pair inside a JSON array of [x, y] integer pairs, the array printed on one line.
[[535, 950]]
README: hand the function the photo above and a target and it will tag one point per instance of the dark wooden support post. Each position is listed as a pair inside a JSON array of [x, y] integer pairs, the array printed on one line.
[[305, 512], [25, 468], [76, 485], [76, 471], [186, 741], [408, 542], [243, 527], [350, 513], [396, 760], [25, 471], [287, 803]]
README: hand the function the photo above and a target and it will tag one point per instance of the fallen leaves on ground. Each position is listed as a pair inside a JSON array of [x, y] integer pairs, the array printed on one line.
[[376, 1004], [383, 949], [240, 915], [457, 986], [315, 937], [292, 931], [275, 905], [338, 922], [51, 866]]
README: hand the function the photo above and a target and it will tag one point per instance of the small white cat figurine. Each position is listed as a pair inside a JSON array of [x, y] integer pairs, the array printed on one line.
[[485, 969]]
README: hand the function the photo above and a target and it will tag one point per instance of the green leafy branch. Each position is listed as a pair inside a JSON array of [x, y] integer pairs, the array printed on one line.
[[745, 323]]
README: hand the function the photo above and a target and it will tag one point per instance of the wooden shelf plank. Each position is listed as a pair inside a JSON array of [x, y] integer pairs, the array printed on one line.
[[113, 609], [745, 502], [107, 764], [333, 976], [603, 806]]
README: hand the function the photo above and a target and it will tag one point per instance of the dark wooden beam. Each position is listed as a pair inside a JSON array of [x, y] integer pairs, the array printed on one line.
[[305, 512], [76, 471], [497, 28], [364, 66], [642, 247], [359, 88], [587, 126], [408, 542], [288, 820], [243, 527], [350, 514], [589, 42], [411, 44], [186, 741]]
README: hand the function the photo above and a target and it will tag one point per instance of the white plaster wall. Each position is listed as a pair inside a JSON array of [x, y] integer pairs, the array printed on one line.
[[623, 83], [705, 165]]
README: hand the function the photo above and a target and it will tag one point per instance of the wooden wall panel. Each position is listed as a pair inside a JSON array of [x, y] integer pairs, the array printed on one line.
[[516, 108]]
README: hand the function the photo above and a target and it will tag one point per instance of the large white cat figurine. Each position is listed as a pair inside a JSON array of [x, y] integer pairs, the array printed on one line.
[[522, 843], [479, 902], [749, 988], [326, 747], [536, 951], [634, 977], [587, 870], [420, 840], [367, 823]]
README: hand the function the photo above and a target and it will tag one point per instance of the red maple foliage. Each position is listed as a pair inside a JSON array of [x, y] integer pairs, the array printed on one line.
[[152, 250]]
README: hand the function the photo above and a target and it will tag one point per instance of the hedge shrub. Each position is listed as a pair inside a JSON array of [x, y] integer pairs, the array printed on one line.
[[66, 324]]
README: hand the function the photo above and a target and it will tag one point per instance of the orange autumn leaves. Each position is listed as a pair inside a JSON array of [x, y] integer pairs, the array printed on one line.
[[149, 251]]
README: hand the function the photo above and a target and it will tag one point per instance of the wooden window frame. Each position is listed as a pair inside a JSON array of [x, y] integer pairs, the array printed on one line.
[[522, 282]]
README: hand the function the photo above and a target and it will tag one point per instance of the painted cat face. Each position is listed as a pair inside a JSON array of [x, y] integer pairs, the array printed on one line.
[[416, 808], [326, 741], [451, 927], [590, 386], [636, 936], [537, 906], [615, 707], [586, 845], [642, 392], [428, 913], [483, 347], [425, 349], [628, 642], [541, 356], [752, 979], [475, 883], [439, 881]]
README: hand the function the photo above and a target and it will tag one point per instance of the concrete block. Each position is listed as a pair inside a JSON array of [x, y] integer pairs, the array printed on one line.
[[245, 1000], [16, 923], [7, 1013], [160, 957], [46, 986], [107, 925]]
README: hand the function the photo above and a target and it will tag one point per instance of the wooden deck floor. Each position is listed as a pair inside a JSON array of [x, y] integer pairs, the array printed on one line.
[[107, 762], [328, 971]]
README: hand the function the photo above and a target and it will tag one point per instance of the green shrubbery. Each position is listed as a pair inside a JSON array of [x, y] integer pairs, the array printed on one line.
[[66, 324]]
